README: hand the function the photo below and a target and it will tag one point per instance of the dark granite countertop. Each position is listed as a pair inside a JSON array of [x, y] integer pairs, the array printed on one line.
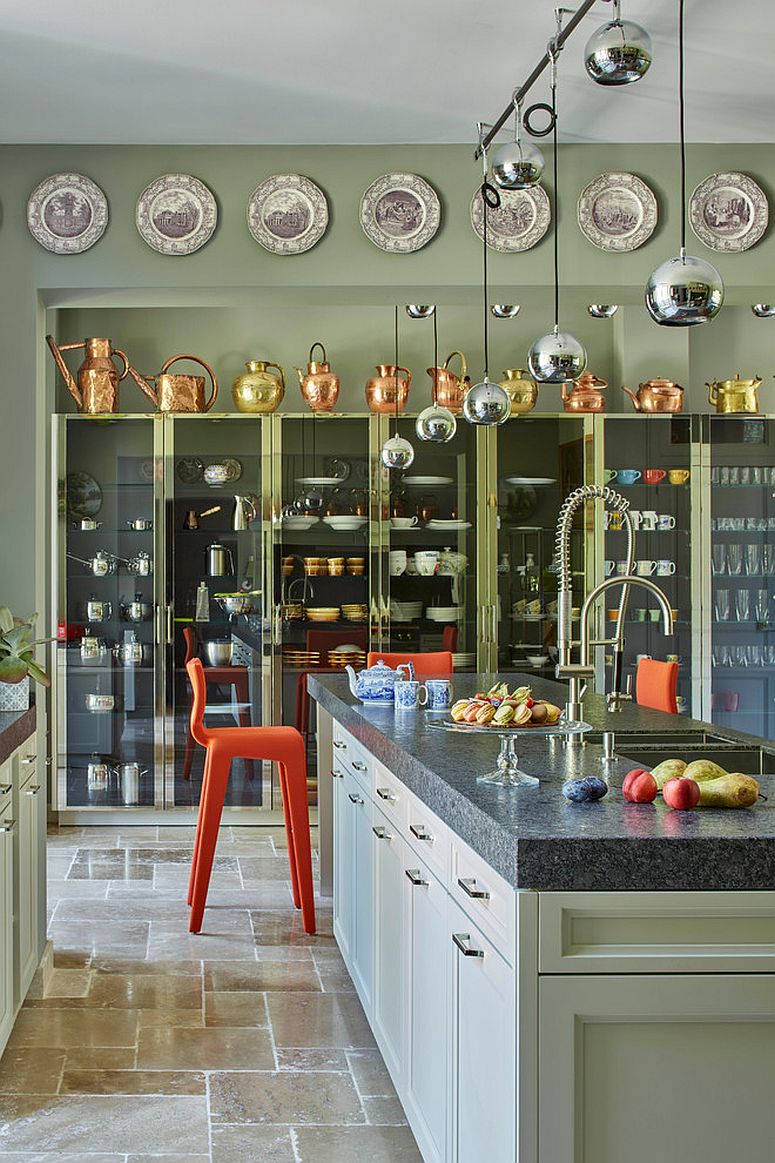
[[533, 836], [15, 728]]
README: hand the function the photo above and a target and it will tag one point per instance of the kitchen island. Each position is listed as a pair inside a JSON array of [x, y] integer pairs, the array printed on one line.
[[553, 982]]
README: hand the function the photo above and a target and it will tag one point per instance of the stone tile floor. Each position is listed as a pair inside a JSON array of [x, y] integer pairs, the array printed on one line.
[[244, 1043]]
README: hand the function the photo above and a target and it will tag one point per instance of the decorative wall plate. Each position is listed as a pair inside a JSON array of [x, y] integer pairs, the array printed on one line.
[[67, 213], [729, 212], [617, 212], [400, 213], [518, 224], [287, 214], [176, 214]]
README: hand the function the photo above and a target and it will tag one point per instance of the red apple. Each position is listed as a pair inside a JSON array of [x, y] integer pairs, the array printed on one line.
[[681, 794], [639, 787]]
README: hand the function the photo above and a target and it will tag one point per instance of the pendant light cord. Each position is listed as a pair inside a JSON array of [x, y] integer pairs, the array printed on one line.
[[435, 360], [682, 117], [555, 172], [395, 425], [484, 285]]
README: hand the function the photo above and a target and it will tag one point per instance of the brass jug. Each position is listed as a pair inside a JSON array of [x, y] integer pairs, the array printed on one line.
[[388, 391], [258, 390], [178, 393], [450, 389], [657, 396], [586, 394], [319, 386], [96, 389], [734, 395], [521, 389]]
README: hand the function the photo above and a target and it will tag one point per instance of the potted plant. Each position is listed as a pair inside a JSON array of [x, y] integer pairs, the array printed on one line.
[[17, 660]]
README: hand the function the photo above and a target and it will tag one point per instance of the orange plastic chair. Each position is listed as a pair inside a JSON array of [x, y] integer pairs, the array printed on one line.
[[655, 685], [435, 662], [284, 745], [236, 676]]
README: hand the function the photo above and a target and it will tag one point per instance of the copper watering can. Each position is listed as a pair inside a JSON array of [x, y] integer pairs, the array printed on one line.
[[586, 394], [734, 395], [450, 389], [319, 386], [177, 392], [96, 387], [657, 396]]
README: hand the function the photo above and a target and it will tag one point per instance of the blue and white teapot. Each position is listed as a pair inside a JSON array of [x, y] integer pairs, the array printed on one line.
[[375, 686]]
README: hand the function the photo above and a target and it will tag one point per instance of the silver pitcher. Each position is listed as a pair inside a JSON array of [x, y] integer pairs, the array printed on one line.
[[245, 511], [98, 610], [220, 562]]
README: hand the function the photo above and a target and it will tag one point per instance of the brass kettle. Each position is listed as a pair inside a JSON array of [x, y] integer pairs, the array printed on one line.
[[657, 396], [734, 395], [319, 386], [450, 390], [96, 388], [175, 392], [259, 390], [521, 389], [388, 391], [586, 394]]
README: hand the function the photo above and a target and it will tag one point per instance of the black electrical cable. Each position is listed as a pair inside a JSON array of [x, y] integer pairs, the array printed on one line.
[[395, 429], [682, 116], [435, 359], [555, 168]]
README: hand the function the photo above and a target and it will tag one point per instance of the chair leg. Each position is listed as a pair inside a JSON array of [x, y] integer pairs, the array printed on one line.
[[285, 795], [242, 692], [298, 809], [214, 794], [198, 832]]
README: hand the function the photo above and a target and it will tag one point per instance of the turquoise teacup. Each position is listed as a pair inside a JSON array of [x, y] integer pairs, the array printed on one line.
[[628, 476]]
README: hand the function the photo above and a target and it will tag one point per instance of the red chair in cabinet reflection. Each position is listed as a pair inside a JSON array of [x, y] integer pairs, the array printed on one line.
[[437, 662], [232, 676], [655, 685], [321, 642], [282, 745]]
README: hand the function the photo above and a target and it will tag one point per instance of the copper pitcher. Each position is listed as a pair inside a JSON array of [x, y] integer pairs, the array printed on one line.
[[450, 390], [96, 389], [735, 395], [319, 386], [178, 393], [389, 390], [586, 394], [521, 389], [258, 390], [657, 396]]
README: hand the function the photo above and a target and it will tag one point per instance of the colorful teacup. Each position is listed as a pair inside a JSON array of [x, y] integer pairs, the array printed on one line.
[[678, 476], [652, 476], [628, 476]]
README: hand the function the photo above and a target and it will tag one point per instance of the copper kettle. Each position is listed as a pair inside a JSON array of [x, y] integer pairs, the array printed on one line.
[[450, 390], [586, 394], [388, 391], [96, 389], [319, 386], [657, 396], [178, 393]]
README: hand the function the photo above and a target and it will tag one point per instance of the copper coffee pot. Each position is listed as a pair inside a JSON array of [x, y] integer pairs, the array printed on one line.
[[96, 389], [178, 393], [586, 395], [319, 386], [382, 390], [657, 396], [450, 390]]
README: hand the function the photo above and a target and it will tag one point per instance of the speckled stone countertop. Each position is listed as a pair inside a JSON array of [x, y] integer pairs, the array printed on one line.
[[533, 836], [15, 728]]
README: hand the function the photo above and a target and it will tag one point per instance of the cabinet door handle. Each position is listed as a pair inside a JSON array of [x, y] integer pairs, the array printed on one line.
[[385, 793], [336, 774], [5, 788], [421, 832], [415, 876], [468, 885], [8, 827], [340, 746], [359, 766], [33, 791], [462, 941], [354, 799], [382, 833], [29, 759]]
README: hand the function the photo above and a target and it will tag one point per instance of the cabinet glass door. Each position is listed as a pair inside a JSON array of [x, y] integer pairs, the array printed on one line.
[[742, 573], [106, 653], [214, 485]]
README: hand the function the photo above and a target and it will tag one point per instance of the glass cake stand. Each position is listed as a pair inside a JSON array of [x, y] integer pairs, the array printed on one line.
[[507, 772]]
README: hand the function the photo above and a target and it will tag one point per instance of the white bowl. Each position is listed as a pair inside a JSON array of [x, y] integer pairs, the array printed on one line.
[[538, 659], [299, 522], [443, 613], [346, 522]]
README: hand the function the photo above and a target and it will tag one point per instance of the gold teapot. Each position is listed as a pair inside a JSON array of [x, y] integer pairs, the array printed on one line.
[[259, 390], [657, 396], [734, 395], [450, 390], [521, 389], [586, 394], [176, 392], [388, 391], [319, 386], [96, 388]]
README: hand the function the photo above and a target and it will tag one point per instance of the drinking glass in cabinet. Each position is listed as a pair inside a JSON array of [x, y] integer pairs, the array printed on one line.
[[743, 606], [753, 560], [722, 605], [735, 559], [718, 558]]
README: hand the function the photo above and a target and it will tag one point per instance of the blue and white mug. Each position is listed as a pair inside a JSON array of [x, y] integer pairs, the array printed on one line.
[[438, 694], [407, 695]]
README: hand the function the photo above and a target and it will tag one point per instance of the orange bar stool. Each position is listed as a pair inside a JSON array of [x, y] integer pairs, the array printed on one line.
[[234, 676], [285, 746], [438, 662], [655, 685]]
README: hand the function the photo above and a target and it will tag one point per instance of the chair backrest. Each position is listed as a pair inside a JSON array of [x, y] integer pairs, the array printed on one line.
[[324, 640], [655, 685], [449, 639], [196, 676], [191, 639], [436, 662]]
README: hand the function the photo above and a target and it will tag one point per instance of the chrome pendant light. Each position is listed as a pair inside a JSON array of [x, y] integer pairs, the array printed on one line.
[[420, 310], [684, 291], [435, 424], [619, 52], [557, 356], [486, 403], [397, 453], [518, 164]]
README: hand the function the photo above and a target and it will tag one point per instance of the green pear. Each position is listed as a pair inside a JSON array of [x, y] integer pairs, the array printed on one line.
[[732, 790], [668, 769], [701, 770]]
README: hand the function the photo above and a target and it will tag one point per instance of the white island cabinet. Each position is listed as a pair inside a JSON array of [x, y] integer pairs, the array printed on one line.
[[549, 1027]]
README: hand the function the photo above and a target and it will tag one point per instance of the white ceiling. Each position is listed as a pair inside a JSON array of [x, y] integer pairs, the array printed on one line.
[[358, 71]]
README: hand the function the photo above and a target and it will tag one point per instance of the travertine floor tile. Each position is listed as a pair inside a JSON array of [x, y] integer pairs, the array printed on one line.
[[386, 1112], [354, 1144], [76, 1027], [69, 983], [318, 1019], [252, 1144], [205, 1049], [240, 1010], [311, 1058], [154, 966], [262, 975], [60, 890], [166, 1158], [132, 1082], [264, 868], [153, 1019], [207, 945], [145, 991], [30, 1071], [100, 1058], [370, 1073], [59, 1157], [116, 1124], [296, 1098], [285, 928]]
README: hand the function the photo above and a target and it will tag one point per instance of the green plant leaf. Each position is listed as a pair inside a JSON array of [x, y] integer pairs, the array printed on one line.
[[38, 674], [6, 619], [12, 669]]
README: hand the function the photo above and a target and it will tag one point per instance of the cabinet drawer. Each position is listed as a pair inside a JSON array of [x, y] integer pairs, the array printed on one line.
[[28, 765], [351, 756], [657, 932], [389, 795], [427, 835], [485, 896]]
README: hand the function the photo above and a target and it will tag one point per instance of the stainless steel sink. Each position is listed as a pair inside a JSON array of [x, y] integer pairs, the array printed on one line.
[[659, 740], [650, 747]]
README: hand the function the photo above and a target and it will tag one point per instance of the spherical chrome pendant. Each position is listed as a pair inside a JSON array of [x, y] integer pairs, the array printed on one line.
[[397, 453], [486, 403], [556, 358], [517, 165], [684, 291], [435, 424], [420, 310], [618, 53]]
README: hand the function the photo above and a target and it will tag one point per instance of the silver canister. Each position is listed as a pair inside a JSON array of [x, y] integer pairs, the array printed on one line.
[[98, 611], [92, 647], [129, 782], [140, 565], [130, 652], [97, 773]]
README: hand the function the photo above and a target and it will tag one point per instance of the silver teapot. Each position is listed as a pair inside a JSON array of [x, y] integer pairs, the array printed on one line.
[[97, 610], [138, 610], [141, 564], [130, 652]]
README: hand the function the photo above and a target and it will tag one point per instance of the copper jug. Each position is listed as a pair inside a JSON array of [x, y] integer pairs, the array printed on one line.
[[735, 395], [521, 389], [96, 389], [586, 395], [178, 393], [319, 386], [657, 396], [388, 391], [259, 390], [450, 390]]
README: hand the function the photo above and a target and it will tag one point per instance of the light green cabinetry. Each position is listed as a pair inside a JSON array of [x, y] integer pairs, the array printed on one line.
[[7, 829]]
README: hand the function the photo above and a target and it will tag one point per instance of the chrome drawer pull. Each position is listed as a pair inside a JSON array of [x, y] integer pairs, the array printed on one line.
[[5, 788], [461, 940], [33, 791], [7, 828], [340, 746], [468, 885], [421, 832], [28, 759], [382, 833], [415, 876], [336, 774], [359, 766], [354, 799], [385, 793]]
